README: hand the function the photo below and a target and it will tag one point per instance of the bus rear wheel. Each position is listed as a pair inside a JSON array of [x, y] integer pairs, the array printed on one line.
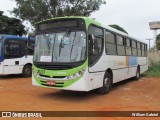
[[107, 84], [27, 71], [137, 74]]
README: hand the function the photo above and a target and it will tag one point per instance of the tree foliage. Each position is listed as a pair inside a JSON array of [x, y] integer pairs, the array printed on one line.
[[11, 26], [158, 42], [118, 28], [37, 10]]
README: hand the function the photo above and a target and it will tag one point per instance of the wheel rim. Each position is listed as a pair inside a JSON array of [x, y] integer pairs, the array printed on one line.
[[27, 71], [106, 83]]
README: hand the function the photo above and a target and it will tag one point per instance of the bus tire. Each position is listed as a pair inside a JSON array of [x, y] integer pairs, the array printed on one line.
[[107, 84], [137, 74], [27, 71]]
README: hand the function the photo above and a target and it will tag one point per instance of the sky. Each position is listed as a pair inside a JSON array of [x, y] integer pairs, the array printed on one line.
[[133, 15]]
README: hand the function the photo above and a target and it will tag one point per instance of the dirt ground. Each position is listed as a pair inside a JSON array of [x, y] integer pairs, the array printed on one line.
[[17, 94]]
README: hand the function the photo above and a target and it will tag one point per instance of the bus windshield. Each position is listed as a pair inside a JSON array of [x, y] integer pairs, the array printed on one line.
[[62, 47]]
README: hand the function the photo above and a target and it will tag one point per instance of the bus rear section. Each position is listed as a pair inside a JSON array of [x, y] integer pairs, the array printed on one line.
[[16, 55]]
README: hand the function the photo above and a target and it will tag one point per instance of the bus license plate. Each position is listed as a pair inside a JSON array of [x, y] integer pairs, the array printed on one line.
[[51, 83]]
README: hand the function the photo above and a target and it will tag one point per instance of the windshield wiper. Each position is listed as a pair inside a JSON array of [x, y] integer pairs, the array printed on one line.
[[73, 44], [67, 33]]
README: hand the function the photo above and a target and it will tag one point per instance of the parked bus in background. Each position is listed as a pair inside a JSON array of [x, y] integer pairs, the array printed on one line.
[[80, 54], [16, 55]]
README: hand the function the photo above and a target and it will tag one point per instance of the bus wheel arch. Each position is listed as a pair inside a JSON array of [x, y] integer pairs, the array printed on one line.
[[27, 70], [110, 72], [107, 82]]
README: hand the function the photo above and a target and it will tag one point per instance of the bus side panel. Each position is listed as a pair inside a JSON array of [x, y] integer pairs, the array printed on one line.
[[1, 68], [97, 71], [15, 66], [142, 61], [119, 68]]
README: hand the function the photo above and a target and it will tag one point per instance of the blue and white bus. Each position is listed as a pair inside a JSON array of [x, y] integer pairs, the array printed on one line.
[[16, 54]]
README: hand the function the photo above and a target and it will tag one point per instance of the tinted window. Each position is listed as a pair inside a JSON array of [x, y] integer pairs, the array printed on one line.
[[30, 48], [119, 40], [133, 44], [120, 45], [120, 50], [12, 50], [139, 52], [128, 47], [110, 38], [128, 42], [128, 51], [138, 45], [134, 51], [110, 43]]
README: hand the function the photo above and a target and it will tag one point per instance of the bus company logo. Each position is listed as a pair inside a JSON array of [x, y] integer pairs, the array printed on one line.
[[21, 114], [6, 114]]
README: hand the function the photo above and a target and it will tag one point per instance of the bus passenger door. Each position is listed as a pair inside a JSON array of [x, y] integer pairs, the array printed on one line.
[[96, 60]]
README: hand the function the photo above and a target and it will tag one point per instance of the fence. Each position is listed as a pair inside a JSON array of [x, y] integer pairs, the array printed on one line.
[[153, 57]]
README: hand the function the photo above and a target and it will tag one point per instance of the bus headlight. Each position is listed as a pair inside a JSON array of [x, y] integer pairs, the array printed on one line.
[[34, 73], [76, 75]]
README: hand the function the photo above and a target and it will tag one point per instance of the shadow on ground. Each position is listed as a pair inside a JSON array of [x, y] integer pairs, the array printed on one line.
[[76, 95], [10, 77]]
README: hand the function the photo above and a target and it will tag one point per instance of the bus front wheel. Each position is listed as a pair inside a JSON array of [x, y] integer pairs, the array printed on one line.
[[107, 84], [27, 71]]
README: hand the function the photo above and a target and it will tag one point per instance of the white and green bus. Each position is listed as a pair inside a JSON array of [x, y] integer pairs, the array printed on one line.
[[80, 54]]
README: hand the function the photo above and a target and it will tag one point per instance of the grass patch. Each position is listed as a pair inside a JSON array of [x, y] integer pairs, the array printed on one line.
[[154, 71]]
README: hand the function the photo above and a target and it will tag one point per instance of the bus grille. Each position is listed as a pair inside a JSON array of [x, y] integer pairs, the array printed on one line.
[[55, 67], [47, 76]]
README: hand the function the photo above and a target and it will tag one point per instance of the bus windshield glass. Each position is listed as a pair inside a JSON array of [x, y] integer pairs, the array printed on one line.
[[60, 47]]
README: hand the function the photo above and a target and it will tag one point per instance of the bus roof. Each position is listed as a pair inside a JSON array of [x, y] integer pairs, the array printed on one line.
[[92, 21], [6, 36]]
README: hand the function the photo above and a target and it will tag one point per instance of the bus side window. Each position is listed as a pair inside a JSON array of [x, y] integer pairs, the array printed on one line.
[[12, 50], [30, 48], [134, 48], [143, 49], [128, 47], [120, 45], [139, 49], [110, 43]]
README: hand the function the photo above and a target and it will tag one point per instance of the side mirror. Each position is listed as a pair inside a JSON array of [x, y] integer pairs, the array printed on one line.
[[92, 45], [30, 44]]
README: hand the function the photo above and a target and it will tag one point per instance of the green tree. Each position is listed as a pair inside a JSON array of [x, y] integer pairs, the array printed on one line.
[[118, 28], [158, 42], [37, 10], [11, 26]]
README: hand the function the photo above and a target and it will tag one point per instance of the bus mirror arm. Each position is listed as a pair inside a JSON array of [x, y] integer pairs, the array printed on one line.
[[29, 46], [93, 51]]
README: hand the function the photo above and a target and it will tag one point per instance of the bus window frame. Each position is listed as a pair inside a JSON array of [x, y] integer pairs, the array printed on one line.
[[115, 43], [100, 55]]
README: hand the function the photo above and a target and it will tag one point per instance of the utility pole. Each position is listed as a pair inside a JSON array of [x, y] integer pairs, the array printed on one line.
[[149, 39]]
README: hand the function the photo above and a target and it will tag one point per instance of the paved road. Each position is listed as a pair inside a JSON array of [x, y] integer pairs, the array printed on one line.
[[17, 93]]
